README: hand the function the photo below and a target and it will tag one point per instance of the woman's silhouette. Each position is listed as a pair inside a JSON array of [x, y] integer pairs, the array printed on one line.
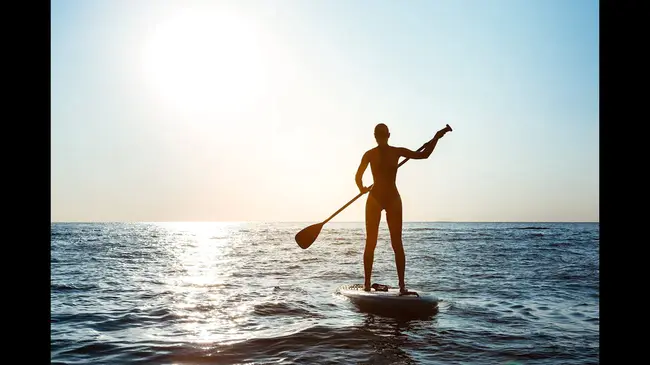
[[384, 195]]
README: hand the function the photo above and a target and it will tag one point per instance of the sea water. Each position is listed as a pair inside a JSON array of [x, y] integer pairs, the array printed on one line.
[[245, 293]]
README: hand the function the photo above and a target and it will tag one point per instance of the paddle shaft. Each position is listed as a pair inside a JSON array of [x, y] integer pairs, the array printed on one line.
[[360, 194]]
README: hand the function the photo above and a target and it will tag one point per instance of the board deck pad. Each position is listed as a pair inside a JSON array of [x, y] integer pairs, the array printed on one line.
[[386, 300]]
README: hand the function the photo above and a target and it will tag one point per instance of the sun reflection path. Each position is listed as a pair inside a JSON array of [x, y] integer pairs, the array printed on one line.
[[203, 285]]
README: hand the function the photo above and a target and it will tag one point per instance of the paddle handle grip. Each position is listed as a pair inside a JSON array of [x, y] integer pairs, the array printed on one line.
[[447, 128]]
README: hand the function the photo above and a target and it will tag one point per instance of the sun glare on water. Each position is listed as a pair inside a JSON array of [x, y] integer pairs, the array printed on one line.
[[202, 254], [204, 60]]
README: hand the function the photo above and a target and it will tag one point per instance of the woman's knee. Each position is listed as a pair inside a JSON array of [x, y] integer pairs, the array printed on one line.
[[371, 242], [398, 248]]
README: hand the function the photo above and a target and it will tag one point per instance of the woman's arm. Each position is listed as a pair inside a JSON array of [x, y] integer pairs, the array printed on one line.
[[358, 178], [428, 149]]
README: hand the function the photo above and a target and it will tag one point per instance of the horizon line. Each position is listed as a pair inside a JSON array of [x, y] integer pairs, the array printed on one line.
[[316, 222]]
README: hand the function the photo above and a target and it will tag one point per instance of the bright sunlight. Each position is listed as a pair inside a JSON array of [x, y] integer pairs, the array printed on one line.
[[204, 60]]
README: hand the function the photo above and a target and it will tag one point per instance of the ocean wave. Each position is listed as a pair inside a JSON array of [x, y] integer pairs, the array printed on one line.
[[291, 289], [422, 229], [283, 309], [73, 287]]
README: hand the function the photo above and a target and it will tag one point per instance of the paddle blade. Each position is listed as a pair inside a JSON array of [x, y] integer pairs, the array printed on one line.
[[308, 235]]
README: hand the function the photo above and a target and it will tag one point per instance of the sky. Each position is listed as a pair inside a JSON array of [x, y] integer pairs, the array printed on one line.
[[259, 110]]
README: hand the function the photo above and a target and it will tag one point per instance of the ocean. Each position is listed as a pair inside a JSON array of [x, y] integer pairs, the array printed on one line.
[[245, 293]]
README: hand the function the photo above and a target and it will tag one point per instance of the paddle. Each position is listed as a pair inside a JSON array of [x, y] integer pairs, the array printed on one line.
[[308, 235]]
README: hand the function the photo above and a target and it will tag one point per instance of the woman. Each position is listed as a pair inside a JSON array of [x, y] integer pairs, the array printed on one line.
[[384, 195]]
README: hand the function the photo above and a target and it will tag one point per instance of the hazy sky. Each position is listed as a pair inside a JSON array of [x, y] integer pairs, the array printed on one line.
[[261, 110]]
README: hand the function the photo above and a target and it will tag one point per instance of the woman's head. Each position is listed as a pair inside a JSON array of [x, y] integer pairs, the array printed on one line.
[[381, 133]]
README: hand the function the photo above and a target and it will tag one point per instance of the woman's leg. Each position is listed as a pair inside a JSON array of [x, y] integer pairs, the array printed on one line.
[[394, 219], [373, 215]]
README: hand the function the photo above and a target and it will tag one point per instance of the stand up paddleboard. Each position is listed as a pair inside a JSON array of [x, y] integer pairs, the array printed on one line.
[[388, 301]]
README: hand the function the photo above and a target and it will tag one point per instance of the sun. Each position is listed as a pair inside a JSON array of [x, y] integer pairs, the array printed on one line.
[[204, 60]]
